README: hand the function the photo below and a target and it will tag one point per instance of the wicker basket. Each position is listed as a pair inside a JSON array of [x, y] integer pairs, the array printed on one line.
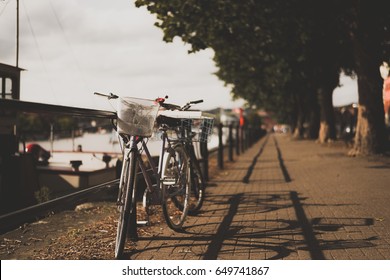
[[136, 116]]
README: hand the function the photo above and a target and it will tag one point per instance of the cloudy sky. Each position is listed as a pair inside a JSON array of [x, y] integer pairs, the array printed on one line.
[[72, 48]]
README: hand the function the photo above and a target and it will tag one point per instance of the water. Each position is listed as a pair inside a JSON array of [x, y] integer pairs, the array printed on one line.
[[102, 143], [89, 142]]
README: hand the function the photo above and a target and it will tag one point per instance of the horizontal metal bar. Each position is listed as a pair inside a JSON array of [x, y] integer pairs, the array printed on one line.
[[12, 220], [32, 107]]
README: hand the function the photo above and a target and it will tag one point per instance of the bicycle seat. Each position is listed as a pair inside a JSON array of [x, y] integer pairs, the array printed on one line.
[[170, 122]]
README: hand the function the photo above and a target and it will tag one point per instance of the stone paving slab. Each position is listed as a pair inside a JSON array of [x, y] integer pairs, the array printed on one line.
[[286, 199]]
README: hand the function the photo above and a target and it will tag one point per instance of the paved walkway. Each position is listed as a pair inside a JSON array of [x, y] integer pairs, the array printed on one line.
[[285, 199]]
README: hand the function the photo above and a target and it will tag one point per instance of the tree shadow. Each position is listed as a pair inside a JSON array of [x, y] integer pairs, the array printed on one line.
[[254, 161], [230, 234], [283, 168], [225, 229]]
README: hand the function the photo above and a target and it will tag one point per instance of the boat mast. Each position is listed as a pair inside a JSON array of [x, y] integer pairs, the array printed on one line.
[[17, 33]]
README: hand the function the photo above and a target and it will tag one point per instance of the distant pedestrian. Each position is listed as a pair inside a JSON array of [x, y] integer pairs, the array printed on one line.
[[385, 73]]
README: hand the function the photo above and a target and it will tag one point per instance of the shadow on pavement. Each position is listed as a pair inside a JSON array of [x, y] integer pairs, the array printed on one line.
[[229, 234], [250, 168]]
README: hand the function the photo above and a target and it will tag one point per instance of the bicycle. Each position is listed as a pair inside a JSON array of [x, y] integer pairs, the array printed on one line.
[[195, 127], [176, 175]]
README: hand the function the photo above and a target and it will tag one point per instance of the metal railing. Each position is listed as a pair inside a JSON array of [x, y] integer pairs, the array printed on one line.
[[244, 137], [32, 107], [17, 202], [236, 139]]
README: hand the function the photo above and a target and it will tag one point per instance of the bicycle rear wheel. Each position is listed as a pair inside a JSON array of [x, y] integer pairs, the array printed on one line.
[[197, 188], [127, 222], [176, 185]]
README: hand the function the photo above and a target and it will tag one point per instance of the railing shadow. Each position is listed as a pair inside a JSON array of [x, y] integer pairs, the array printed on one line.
[[251, 167], [224, 230], [274, 238]]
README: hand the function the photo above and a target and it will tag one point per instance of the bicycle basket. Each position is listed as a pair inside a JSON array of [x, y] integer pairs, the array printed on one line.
[[201, 128], [136, 116]]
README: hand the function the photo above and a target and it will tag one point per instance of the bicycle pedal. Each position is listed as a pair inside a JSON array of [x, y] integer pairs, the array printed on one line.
[[143, 223], [167, 181], [151, 198]]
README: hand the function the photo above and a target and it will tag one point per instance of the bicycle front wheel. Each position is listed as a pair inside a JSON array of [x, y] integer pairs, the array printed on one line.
[[176, 184], [197, 188], [127, 223]]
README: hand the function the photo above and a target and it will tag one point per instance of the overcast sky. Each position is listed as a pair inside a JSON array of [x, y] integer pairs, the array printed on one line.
[[72, 48]]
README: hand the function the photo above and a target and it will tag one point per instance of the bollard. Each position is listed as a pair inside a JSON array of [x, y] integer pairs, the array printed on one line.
[[250, 138], [204, 163], [220, 147], [247, 138], [242, 139], [230, 142], [238, 140]]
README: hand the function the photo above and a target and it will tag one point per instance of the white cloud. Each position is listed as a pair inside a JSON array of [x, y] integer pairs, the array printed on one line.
[[347, 93], [109, 46]]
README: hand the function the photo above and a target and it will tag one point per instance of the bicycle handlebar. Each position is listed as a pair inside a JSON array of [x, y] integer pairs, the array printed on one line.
[[196, 101], [175, 107], [160, 100]]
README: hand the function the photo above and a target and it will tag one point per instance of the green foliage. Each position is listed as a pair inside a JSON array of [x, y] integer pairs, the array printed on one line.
[[42, 122], [66, 123], [254, 119], [42, 195], [275, 53], [39, 125]]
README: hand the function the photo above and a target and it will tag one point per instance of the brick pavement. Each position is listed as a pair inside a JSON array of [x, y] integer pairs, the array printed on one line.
[[285, 199]]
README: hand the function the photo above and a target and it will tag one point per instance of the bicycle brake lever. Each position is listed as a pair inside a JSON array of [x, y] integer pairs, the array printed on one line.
[[109, 96], [113, 96]]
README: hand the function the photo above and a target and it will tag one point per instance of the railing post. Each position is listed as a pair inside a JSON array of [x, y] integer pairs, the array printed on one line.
[[242, 139], [204, 152], [238, 140], [247, 135], [230, 142], [51, 139], [220, 147], [250, 136]]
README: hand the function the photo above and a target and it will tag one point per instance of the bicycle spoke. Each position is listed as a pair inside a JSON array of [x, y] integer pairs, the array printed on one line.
[[176, 192], [126, 205]]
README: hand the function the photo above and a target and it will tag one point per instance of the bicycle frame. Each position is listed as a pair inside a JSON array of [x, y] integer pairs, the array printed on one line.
[[173, 175], [133, 145]]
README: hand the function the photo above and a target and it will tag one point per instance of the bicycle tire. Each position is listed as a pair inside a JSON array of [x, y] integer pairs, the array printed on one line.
[[176, 185], [198, 186], [126, 204]]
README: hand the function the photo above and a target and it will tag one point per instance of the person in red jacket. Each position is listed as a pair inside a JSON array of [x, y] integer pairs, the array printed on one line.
[[386, 99], [385, 74], [39, 154]]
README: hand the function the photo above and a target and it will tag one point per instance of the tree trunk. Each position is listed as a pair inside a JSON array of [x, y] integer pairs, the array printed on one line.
[[314, 117], [327, 130], [370, 135], [300, 118], [299, 129]]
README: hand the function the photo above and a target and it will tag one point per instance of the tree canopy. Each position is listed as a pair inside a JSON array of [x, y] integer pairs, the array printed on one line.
[[285, 56]]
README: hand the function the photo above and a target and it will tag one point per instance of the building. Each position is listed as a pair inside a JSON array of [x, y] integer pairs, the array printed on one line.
[[9, 81], [9, 89]]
